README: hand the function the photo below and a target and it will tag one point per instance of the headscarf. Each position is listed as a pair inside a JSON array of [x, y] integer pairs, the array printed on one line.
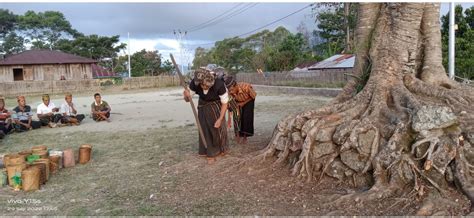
[[229, 81], [204, 77]]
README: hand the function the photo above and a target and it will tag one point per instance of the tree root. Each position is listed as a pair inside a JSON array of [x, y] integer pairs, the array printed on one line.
[[373, 194]]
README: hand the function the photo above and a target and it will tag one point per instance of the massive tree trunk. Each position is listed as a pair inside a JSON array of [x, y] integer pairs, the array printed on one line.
[[402, 122]]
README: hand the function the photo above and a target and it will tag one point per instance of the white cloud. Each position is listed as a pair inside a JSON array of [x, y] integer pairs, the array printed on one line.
[[163, 46]]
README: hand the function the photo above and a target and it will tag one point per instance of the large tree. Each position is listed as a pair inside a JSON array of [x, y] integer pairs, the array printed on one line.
[[336, 24], [92, 46], [144, 63], [7, 22], [45, 29], [202, 58], [409, 126], [274, 51], [12, 44]]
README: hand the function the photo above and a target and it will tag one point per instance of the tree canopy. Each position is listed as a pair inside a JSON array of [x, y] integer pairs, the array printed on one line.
[[464, 45], [272, 51]]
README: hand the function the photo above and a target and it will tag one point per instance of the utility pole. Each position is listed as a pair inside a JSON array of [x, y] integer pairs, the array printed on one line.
[[452, 12], [179, 37], [129, 65]]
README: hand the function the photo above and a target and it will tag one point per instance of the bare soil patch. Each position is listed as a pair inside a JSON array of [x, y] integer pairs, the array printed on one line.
[[145, 163]]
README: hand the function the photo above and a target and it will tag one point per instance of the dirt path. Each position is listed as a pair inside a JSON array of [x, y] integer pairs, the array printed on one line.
[[145, 164], [142, 111]]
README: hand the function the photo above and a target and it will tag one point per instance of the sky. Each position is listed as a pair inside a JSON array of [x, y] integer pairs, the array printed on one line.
[[151, 25]]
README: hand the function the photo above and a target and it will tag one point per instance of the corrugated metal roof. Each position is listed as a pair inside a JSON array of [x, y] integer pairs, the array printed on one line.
[[336, 61], [101, 72], [31, 57], [306, 64]]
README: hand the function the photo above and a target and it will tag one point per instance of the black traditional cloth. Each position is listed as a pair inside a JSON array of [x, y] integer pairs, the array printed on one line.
[[246, 119], [209, 109], [212, 94], [55, 118], [236, 112]]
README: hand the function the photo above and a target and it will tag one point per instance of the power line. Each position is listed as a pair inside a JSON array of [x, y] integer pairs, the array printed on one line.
[[227, 17], [212, 19], [275, 21], [266, 25]]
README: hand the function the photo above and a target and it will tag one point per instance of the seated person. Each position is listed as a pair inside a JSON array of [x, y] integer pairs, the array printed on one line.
[[22, 116], [100, 109], [69, 112], [5, 121], [48, 113]]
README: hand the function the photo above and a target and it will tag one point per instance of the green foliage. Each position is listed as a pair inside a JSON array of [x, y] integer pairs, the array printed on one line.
[[144, 63], [464, 45], [16, 179], [12, 44], [92, 46], [364, 77], [7, 22], [167, 67], [272, 51], [45, 29], [202, 57], [332, 28], [289, 53]]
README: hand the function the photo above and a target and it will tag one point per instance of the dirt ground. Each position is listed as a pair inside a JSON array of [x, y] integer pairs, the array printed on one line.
[[145, 163]]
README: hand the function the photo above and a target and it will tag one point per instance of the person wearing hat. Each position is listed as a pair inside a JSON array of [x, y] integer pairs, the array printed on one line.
[[48, 113], [22, 116], [69, 112], [244, 95], [5, 121], [212, 107]]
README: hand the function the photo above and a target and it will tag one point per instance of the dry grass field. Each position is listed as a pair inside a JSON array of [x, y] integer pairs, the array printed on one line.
[[144, 162]]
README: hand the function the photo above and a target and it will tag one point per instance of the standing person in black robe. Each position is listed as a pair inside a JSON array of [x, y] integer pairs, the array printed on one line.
[[244, 95], [212, 107]]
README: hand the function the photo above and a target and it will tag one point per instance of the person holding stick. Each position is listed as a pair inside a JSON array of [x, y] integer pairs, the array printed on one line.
[[212, 107]]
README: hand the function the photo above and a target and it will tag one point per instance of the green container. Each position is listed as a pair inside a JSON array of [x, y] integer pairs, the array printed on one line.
[[32, 158], [3, 178]]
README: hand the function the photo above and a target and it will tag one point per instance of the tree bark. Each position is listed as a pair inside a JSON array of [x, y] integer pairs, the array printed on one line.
[[409, 125]]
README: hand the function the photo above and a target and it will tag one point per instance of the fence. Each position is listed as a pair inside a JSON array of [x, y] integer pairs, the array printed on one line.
[[305, 78], [11, 89]]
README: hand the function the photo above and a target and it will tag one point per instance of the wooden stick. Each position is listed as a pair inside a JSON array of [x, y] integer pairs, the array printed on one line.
[[181, 78]]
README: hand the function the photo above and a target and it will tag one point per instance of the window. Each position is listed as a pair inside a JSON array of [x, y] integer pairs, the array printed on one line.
[[18, 74]]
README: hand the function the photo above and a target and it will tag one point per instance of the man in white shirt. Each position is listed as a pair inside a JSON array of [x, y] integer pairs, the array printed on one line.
[[69, 112], [48, 113]]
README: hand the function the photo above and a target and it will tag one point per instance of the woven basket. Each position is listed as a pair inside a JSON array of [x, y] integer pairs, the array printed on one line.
[[42, 168], [85, 152], [30, 179], [54, 163], [13, 169], [13, 159], [45, 161], [68, 158]]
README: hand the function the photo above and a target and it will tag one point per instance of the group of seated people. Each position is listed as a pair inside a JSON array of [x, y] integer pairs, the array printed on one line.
[[20, 119]]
